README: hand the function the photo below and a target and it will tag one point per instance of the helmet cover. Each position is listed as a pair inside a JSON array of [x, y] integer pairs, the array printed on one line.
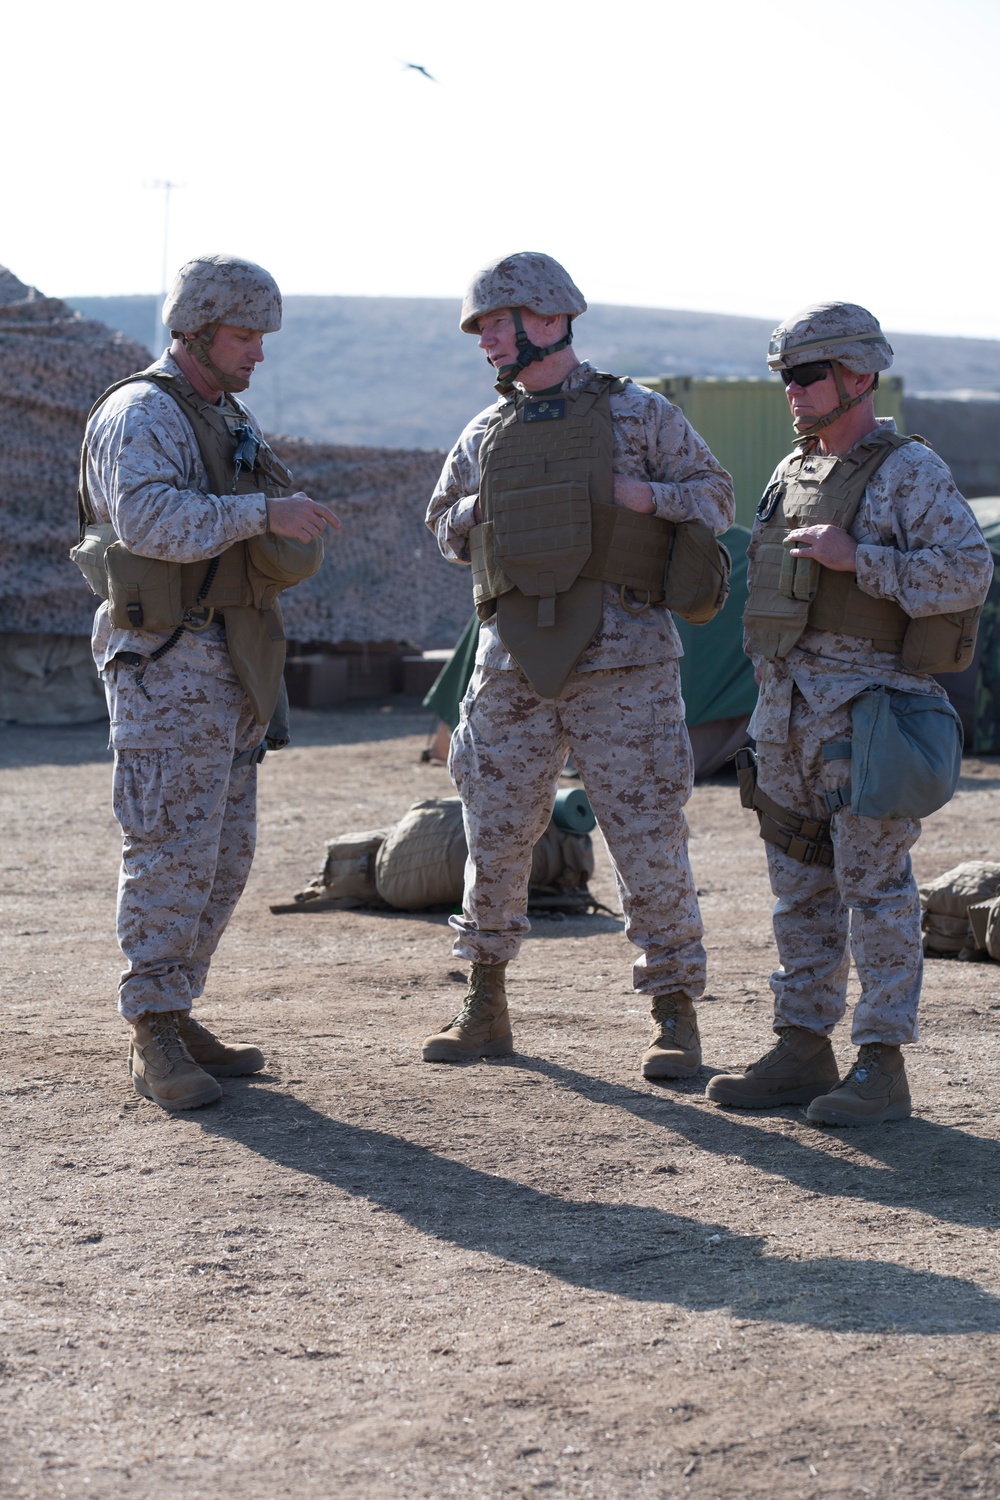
[[840, 331], [527, 279], [213, 289]]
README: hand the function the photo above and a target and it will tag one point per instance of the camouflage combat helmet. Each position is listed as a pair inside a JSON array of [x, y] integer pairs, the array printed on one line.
[[529, 280], [842, 332], [214, 289]]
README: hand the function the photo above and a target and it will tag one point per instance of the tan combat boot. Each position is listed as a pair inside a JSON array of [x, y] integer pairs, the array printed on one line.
[[220, 1059], [482, 1026], [874, 1090], [800, 1066], [161, 1066], [675, 1051]]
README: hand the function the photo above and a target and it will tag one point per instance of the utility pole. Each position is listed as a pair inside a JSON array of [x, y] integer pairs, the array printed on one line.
[[167, 188]]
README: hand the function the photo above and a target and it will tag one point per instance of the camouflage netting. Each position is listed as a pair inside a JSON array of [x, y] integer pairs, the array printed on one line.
[[53, 366], [383, 578]]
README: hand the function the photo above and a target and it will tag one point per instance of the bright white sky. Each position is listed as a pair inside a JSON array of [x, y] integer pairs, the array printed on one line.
[[743, 156]]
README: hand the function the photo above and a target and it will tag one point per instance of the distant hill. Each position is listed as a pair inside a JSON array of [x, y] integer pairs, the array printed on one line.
[[395, 372]]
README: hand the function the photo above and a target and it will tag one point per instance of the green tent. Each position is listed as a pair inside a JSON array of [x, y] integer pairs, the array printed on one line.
[[976, 691], [716, 678]]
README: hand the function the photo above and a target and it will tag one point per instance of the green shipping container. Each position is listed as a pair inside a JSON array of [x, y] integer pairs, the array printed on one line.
[[747, 425]]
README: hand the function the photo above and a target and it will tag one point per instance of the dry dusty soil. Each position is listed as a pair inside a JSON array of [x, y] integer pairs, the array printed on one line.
[[364, 1276]]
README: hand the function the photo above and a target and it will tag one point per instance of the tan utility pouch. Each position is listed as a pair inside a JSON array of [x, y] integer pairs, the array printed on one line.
[[696, 583], [774, 617], [799, 576], [144, 593], [89, 556], [277, 562], [941, 643]]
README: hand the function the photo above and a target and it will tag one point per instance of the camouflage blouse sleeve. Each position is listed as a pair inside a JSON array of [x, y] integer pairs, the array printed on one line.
[[145, 475], [654, 441], [451, 512], [918, 540]]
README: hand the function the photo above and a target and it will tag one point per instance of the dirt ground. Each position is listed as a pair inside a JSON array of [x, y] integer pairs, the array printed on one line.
[[363, 1276]]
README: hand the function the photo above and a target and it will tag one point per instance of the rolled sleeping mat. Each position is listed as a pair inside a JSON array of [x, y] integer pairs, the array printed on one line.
[[573, 812]]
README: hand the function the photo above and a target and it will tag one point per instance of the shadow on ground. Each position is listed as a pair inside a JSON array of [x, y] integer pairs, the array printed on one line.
[[645, 1254], [360, 722], [54, 744], [932, 1168]]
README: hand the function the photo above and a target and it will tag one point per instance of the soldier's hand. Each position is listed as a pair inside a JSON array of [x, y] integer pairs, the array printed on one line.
[[634, 494], [831, 546], [298, 517]]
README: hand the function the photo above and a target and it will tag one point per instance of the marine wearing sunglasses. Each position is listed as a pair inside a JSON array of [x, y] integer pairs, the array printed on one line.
[[808, 374]]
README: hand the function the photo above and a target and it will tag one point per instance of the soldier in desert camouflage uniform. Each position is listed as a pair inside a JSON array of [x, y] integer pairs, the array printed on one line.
[[913, 547], [190, 706], [615, 700]]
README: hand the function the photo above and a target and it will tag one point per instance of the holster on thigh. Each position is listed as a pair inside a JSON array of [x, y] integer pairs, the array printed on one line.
[[805, 839]]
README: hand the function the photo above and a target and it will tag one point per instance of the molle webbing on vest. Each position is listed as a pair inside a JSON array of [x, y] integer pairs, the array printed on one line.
[[544, 462], [576, 447], [842, 607], [805, 839], [537, 479], [628, 549], [787, 594]]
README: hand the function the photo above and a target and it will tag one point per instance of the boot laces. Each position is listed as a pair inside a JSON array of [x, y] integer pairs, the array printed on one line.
[[163, 1026], [866, 1064], [480, 995], [666, 1014], [780, 1047]]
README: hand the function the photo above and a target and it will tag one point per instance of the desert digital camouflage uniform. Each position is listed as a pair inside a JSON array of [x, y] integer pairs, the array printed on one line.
[[620, 714], [188, 818], [919, 545]]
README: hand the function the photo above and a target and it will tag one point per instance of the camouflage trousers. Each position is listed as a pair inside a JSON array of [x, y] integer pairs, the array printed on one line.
[[188, 819], [866, 905], [625, 730]]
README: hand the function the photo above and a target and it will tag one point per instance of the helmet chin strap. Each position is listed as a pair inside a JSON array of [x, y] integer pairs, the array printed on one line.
[[199, 344], [847, 403], [527, 354]]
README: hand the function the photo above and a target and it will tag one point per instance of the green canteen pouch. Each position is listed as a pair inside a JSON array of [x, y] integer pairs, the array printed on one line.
[[90, 556], [144, 593]]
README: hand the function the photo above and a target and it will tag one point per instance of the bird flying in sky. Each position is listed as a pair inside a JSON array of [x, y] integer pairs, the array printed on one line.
[[419, 68]]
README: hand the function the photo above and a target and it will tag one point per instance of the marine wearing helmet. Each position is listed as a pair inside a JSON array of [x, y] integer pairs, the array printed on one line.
[[829, 336], [215, 291], [528, 280]]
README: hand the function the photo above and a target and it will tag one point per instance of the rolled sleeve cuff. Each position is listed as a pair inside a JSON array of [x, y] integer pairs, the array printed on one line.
[[677, 503], [664, 501], [457, 523], [875, 570]]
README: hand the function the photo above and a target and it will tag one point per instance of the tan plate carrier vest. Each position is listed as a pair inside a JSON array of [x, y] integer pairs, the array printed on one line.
[[551, 535], [788, 593], [147, 593]]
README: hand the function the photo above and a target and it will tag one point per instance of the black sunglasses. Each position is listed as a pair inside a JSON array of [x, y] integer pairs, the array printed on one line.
[[808, 374]]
